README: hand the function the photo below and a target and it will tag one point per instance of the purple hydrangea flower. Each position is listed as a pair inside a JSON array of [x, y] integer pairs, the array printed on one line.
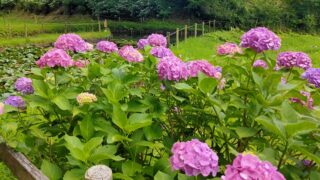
[[24, 85], [71, 42], [260, 63], [107, 46], [194, 67], [293, 59], [307, 163], [81, 63], [260, 39], [194, 158], [130, 54], [313, 76], [172, 68], [229, 49], [15, 101], [308, 103], [157, 40], [1, 108], [251, 167], [161, 52], [55, 58], [142, 43]]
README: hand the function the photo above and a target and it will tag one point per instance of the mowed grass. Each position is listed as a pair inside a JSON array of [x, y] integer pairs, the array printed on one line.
[[205, 47], [49, 38]]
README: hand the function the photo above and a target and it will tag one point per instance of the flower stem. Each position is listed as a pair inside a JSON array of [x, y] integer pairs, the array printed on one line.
[[281, 161]]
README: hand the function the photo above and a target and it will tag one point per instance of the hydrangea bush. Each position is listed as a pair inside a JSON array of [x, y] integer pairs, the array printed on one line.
[[148, 114]]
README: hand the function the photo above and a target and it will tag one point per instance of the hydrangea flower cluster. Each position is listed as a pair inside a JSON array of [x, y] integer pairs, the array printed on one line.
[[229, 49], [161, 52], [308, 103], [24, 85], [86, 98], [157, 40], [260, 39], [1, 108], [293, 59], [107, 46], [130, 54], [172, 68], [89, 47], [15, 101], [194, 67], [251, 167], [313, 76], [194, 158], [71, 42], [142, 43], [55, 58], [260, 63], [81, 63]]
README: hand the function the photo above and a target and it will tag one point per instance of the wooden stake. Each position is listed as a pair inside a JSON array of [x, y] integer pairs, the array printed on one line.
[[195, 29], [202, 28], [185, 32], [168, 39], [177, 37], [105, 24]]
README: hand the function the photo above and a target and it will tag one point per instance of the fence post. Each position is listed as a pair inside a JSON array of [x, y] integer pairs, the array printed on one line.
[[209, 26], [99, 24], [185, 32], [25, 31], [214, 25], [177, 37], [202, 28], [195, 29], [168, 38], [105, 24]]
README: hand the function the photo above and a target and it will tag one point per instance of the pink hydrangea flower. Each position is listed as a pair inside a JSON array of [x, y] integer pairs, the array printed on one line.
[[222, 84], [260, 63], [194, 67], [157, 40], [89, 46], [251, 167], [142, 43], [194, 158], [229, 49], [293, 59], [71, 42], [24, 85], [81, 63], [107, 46], [161, 52], [55, 58], [308, 103], [260, 39], [313, 76], [172, 68], [1, 108], [130, 54]]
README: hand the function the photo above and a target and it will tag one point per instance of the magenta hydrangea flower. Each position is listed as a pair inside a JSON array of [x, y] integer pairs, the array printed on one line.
[[1, 108], [161, 52], [15, 101], [172, 68], [194, 158], [142, 43], [194, 67], [293, 59], [157, 40], [130, 54], [55, 58], [81, 63], [260, 63], [251, 167], [308, 103], [71, 42], [24, 85], [313, 76], [260, 39], [229, 49], [107, 46]]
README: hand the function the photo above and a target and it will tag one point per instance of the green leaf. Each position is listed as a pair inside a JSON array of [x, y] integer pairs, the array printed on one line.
[[62, 102], [306, 152], [153, 132], [162, 176], [130, 168], [87, 127], [138, 120], [40, 88], [74, 145], [74, 174], [119, 118], [183, 87], [300, 127], [244, 132], [288, 114], [104, 153], [207, 85], [272, 126], [91, 145], [51, 170], [94, 70]]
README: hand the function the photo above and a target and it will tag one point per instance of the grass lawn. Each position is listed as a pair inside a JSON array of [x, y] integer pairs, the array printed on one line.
[[204, 47]]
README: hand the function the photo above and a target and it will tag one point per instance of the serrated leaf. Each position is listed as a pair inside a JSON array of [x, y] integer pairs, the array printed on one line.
[[51, 170], [87, 128]]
